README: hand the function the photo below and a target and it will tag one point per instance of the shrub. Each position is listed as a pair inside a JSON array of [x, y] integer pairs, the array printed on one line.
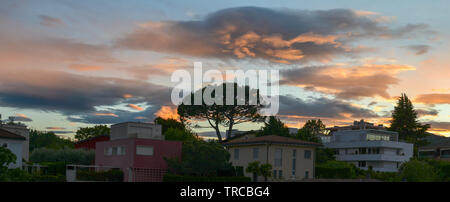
[[49, 178], [54, 168], [69, 156], [113, 175], [181, 178], [442, 168], [418, 171], [335, 170]]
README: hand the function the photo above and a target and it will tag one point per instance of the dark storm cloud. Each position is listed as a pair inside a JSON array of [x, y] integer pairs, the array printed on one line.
[[76, 95], [427, 112], [277, 35], [321, 107]]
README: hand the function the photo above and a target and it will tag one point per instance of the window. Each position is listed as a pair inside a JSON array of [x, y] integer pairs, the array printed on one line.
[[294, 154], [274, 174], [361, 164], [236, 154], [121, 151], [278, 157], [114, 151], [255, 153], [108, 151], [5, 145], [307, 154], [280, 174], [144, 150], [373, 137], [306, 174]]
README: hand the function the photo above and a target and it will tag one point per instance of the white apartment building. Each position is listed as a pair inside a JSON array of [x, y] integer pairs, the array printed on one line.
[[364, 145]]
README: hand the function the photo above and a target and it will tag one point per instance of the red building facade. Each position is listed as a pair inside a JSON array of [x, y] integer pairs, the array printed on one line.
[[90, 143]]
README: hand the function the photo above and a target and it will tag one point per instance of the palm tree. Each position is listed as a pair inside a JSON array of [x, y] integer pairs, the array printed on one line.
[[253, 167]]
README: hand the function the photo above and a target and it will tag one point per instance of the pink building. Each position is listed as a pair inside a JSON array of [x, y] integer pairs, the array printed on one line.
[[138, 149]]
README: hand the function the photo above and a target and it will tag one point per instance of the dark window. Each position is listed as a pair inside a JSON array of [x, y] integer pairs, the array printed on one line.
[[306, 174], [236, 154], [280, 173], [361, 164], [307, 154], [255, 153]]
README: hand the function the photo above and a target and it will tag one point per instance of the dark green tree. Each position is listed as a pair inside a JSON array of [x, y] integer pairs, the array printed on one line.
[[274, 126], [254, 168], [405, 122], [41, 139], [89, 132], [166, 124], [6, 158], [418, 171], [311, 131], [266, 171], [226, 114], [177, 134], [200, 158]]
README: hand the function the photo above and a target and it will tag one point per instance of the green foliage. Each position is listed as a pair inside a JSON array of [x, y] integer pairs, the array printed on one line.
[[15, 175], [324, 154], [311, 131], [6, 158], [274, 126], [90, 132], [336, 170], [265, 170], [200, 158], [40, 139], [167, 124], [405, 122], [176, 134], [442, 169], [253, 167], [114, 175], [386, 176], [224, 114], [49, 178], [54, 168], [418, 171], [69, 156], [179, 178]]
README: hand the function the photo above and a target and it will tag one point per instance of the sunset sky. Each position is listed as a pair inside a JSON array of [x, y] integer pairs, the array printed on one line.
[[70, 64]]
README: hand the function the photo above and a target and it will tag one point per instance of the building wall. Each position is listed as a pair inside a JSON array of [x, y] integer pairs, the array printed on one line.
[[161, 149], [267, 155], [136, 130], [16, 147], [23, 131], [90, 144]]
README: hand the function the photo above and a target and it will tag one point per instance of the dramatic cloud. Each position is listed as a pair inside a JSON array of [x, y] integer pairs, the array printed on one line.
[[322, 107], [136, 107], [427, 112], [75, 95], [435, 98], [346, 82], [50, 21], [284, 36], [418, 49], [55, 128], [21, 118], [167, 112], [80, 67]]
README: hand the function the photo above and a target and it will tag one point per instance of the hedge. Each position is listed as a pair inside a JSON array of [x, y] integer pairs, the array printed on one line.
[[110, 175], [49, 178], [335, 170], [180, 178], [55, 168]]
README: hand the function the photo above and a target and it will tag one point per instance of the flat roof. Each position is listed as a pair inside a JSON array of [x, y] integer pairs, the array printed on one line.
[[270, 139]]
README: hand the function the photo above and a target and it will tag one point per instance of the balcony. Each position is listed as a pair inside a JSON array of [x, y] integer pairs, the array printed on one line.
[[371, 157]]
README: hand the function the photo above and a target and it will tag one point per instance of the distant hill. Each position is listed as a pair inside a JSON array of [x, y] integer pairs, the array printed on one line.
[[435, 139]]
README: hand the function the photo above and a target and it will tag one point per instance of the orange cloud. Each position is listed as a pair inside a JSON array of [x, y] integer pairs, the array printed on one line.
[[106, 114], [126, 96], [435, 98], [135, 107], [80, 67], [167, 112]]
